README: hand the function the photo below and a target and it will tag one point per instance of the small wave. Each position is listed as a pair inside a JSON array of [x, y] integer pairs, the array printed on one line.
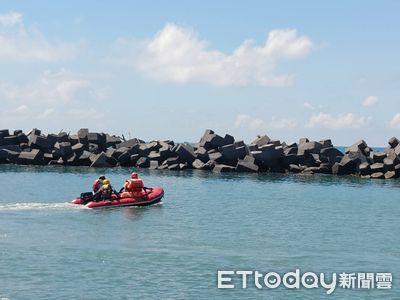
[[38, 206]]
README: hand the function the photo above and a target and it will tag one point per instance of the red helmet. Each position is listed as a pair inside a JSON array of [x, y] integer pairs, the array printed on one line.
[[134, 175]]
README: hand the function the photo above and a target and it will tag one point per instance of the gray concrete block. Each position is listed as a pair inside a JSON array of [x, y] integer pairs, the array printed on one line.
[[221, 168], [261, 141], [393, 142], [198, 164], [10, 140], [390, 175], [293, 168], [63, 137], [377, 167], [201, 154], [360, 145], [247, 165], [185, 152], [100, 160], [377, 175], [364, 169], [143, 162], [378, 157], [34, 157], [129, 143]]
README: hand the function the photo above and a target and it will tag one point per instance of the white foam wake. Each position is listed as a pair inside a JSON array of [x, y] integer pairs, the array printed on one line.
[[38, 206]]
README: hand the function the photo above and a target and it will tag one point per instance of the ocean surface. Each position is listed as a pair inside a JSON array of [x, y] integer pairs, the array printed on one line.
[[207, 222]]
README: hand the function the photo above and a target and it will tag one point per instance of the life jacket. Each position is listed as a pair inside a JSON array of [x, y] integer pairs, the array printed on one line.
[[134, 185], [106, 189], [96, 185]]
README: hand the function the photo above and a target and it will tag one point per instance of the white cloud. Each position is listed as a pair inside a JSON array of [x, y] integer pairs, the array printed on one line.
[[69, 114], [283, 123], [22, 45], [395, 122], [177, 54], [370, 100], [85, 114], [252, 123], [51, 87], [309, 106], [7, 90], [102, 92], [10, 19], [22, 108], [326, 120], [47, 113], [246, 121], [54, 96]]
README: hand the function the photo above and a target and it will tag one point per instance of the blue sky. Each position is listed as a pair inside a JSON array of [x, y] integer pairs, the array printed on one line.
[[171, 69]]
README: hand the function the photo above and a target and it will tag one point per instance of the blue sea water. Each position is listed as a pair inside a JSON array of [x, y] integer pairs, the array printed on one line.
[[207, 222]]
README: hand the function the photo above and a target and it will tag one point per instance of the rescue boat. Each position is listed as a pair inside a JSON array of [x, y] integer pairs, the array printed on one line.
[[144, 198]]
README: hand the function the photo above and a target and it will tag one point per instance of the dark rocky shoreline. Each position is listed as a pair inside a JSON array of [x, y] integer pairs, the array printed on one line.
[[213, 152]]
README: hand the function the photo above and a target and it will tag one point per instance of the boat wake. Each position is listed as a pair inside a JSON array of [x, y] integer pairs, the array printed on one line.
[[48, 206], [38, 206]]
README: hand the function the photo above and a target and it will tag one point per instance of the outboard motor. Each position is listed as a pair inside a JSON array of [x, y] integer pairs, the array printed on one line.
[[86, 197]]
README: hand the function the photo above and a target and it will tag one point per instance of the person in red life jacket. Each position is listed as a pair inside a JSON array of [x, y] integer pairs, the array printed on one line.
[[97, 185], [134, 185]]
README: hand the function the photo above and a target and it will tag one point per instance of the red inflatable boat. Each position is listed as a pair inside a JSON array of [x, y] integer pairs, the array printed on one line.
[[143, 198]]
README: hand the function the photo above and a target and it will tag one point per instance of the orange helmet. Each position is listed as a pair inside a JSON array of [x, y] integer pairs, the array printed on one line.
[[134, 175]]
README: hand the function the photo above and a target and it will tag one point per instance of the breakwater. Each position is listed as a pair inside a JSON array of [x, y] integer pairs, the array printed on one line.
[[213, 152]]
